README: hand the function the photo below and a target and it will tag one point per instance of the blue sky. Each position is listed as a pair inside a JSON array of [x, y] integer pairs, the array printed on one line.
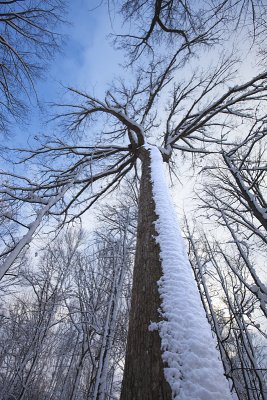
[[87, 61]]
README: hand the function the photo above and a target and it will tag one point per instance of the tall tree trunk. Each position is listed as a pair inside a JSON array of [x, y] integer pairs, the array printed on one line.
[[144, 371]]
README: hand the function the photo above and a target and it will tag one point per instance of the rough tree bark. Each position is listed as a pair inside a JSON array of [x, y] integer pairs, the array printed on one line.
[[144, 370]]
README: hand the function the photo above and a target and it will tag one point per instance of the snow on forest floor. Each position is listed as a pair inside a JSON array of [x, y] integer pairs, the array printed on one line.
[[193, 367]]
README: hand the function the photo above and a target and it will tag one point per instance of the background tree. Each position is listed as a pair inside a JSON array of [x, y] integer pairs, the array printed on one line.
[[233, 311], [233, 198], [27, 40], [63, 334]]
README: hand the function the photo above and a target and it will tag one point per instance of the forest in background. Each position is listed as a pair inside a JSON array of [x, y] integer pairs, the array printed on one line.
[[65, 307]]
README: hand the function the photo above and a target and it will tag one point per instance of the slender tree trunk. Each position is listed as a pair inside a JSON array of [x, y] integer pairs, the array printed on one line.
[[100, 390], [144, 371]]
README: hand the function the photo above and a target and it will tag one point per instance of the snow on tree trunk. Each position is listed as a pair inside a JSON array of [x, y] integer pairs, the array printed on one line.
[[168, 328], [193, 370], [144, 371]]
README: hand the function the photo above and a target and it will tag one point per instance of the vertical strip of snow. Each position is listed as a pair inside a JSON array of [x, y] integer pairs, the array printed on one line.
[[193, 368]]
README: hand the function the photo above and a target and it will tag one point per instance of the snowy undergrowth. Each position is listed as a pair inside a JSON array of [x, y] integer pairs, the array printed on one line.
[[193, 368]]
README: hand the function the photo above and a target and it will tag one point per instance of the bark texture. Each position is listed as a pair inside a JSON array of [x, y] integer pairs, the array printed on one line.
[[143, 375]]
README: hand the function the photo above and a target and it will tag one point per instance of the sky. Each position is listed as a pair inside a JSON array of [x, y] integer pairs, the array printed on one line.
[[87, 61]]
